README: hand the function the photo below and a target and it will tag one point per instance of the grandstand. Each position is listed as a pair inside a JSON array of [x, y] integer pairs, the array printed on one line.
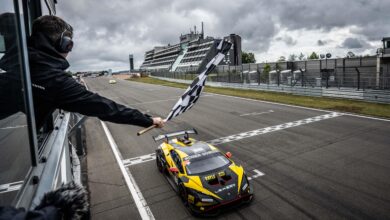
[[190, 53]]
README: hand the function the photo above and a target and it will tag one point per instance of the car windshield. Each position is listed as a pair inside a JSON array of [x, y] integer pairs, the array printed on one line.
[[206, 163]]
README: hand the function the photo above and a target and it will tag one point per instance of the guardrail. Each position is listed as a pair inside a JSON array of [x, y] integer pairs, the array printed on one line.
[[369, 95], [58, 163]]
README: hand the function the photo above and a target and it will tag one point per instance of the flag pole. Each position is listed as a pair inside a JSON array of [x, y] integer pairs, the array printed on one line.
[[146, 130], [192, 94]]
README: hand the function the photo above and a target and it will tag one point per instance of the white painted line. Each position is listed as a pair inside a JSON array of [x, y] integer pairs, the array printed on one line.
[[164, 100], [368, 117], [257, 113], [235, 137], [14, 127], [156, 101], [281, 104], [139, 200], [137, 160], [258, 174], [10, 187], [296, 106], [274, 103], [261, 131]]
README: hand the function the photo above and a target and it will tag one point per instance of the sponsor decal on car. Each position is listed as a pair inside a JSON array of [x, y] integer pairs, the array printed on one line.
[[225, 188], [200, 154]]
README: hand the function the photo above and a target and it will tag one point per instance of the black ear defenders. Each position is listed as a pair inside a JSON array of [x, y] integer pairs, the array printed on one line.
[[64, 44]]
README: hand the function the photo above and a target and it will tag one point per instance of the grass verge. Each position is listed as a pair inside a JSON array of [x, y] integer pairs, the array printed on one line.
[[341, 105]]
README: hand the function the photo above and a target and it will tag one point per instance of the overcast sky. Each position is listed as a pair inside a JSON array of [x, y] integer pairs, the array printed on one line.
[[106, 32]]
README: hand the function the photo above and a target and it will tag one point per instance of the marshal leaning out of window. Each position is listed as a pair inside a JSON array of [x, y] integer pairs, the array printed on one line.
[[49, 45]]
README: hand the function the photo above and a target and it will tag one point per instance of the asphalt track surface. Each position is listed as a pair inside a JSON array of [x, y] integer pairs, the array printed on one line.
[[14, 155], [335, 167]]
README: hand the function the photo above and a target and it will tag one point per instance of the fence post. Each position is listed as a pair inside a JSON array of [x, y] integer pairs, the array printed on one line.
[[278, 74], [358, 78], [229, 74], [248, 78], [327, 78], [242, 74], [217, 73]]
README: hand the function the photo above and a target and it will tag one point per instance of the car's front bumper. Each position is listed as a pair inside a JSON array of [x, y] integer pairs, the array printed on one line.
[[214, 209]]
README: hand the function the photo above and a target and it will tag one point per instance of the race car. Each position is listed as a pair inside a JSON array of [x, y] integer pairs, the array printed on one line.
[[204, 177]]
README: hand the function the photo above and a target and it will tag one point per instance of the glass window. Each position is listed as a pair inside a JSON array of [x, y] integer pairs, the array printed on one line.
[[45, 9], [206, 163], [14, 142], [177, 161]]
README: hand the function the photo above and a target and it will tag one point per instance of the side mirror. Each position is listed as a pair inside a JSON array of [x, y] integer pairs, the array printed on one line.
[[173, 170], [228, 154]]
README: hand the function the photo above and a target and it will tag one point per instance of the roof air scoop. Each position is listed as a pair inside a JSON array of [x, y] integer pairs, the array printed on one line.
[[185, 140]]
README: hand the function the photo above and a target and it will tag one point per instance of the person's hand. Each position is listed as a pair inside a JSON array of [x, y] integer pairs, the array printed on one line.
[[159, 122]]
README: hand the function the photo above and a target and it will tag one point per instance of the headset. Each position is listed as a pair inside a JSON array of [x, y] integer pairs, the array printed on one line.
[[64, 43]]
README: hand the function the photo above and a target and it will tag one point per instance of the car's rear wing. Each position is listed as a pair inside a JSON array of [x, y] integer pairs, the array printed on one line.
[[174, 134]]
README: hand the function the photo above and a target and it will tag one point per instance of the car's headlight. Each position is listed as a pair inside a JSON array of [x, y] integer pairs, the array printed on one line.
[[207, 200]]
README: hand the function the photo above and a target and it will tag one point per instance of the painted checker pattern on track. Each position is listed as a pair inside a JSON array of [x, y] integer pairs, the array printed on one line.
[[140, 159], [272, 128], [318, 168]]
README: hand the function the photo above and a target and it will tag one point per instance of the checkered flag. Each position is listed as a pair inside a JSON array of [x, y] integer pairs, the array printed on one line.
[[192, 94]]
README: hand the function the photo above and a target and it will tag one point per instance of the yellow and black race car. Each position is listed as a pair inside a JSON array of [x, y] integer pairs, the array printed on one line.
[[202, 175]]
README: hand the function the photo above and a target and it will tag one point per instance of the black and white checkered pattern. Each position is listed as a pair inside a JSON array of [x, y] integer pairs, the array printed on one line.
[[140, 159], [260, 131], [192, 94], [9, 187]]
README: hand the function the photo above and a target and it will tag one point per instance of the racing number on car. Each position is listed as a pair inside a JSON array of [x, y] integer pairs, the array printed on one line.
[[209, 177]]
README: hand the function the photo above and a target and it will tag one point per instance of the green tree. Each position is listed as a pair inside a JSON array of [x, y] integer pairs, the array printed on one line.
[[282, 59], [313, 56], [292, 57], [350, 54], [301, 56], [264, 75], [277, 67], [248, 57], [69, 73]]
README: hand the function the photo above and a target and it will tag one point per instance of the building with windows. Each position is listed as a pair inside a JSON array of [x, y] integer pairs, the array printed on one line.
[[193, 51]]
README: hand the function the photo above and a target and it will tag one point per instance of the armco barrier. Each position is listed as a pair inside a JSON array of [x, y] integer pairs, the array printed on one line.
[[378, 96]]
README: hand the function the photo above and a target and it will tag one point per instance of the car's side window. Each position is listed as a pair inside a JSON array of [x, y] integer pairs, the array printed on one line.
[[177, 161]]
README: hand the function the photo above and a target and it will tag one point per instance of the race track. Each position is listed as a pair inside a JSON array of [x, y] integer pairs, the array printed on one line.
[[304, 163]]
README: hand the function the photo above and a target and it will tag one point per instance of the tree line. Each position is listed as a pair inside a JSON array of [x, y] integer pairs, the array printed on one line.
[[248, 57]]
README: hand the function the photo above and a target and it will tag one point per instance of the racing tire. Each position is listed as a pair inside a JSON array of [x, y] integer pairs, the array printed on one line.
[[182, 193], [159, 165], [183, 196]]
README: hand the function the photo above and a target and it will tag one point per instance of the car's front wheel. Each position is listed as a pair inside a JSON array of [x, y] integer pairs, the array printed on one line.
[[183, 193], [159, 164]]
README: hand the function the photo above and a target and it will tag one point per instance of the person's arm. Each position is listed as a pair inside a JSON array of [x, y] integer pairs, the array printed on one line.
[[71, 96]]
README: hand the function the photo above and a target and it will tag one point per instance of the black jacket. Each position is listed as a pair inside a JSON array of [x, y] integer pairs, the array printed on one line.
[[53, 88]]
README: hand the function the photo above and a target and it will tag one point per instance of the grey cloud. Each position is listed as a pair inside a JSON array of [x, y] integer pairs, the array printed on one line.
[[288, 40], [110, 30], [353, 43], [321, 42]]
